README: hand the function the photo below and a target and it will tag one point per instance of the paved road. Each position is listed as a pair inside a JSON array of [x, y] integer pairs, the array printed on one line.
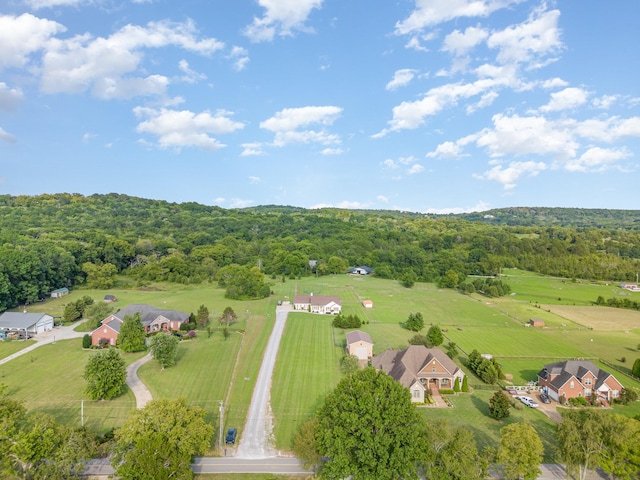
[[52, 336], [254, 442]]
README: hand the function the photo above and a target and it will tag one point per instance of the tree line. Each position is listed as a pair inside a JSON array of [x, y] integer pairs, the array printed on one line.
[[63, 240]]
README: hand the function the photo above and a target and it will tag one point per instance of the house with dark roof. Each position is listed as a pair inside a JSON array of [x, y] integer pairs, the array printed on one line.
[[419, 369], [578, 378], [25, 323], [359, 343], [317, 303], [363, 270], [153, 320]]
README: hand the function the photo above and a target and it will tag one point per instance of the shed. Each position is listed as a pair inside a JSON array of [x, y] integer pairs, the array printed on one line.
[[31, 323], [367, 304], [536, 322], [60, 292], [110, 298], [359, 344]]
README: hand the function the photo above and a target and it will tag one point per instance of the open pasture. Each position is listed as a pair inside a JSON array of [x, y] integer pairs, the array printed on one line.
[[599, 318]]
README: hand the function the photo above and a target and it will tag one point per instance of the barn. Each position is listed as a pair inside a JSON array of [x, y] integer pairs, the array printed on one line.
[[24, 322]]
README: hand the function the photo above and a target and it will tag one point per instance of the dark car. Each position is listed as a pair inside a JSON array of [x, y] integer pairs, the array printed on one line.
[[231, 436], [545, 398]]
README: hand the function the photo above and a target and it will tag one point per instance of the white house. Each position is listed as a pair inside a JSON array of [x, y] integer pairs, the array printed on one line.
[[24, 322], [317, 303]]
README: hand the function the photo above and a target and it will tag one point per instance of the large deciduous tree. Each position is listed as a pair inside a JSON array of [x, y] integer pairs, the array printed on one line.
[[105, 374], [581, 440], [159, 441], [415, 322], [228, 316], [202, 316], [520, 452], [435, 335], [368, 428], [132, 335], [164, 348]]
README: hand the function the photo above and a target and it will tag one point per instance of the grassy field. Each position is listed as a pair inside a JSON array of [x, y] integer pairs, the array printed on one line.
[[307, 368], [214, 369], [10, 347]]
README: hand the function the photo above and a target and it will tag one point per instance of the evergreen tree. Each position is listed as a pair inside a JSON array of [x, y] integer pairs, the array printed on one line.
[[415, 322], [499, 406], [435, 335]]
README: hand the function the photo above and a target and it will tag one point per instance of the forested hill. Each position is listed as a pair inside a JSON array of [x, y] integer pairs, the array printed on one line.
[[50, 241]]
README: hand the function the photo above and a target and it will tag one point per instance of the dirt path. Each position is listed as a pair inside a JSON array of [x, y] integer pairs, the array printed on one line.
[[139, 389]]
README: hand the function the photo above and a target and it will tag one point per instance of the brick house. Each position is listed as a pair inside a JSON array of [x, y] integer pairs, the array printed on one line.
[[578, 378], [153, 320], [419, 369]]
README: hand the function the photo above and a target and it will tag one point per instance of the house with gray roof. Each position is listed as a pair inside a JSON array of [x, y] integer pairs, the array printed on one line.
[[578, 378], [25, 323], [317, 303], [419, 369], [153, 320], [359, 343]]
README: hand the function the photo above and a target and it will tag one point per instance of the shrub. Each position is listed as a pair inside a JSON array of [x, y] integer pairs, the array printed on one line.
[[86, 341], [446, 392], [456, 385], [465, 384]]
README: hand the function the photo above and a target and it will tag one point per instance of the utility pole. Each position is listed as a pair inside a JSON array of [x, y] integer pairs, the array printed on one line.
[[221, 423], [82, 413]]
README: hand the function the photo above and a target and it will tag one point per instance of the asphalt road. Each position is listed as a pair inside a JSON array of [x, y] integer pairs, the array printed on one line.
[[254, 442]]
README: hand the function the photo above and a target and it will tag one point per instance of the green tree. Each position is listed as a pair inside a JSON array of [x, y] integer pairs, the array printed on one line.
[[160, 440], [420, 340], [520, 452], [164, 348], [636, 368], [97, 312], [105, 374], [415, 322], [100, 276], [228, 316], [349, 364], [581, 440], [449, 280], [407, 278], [451, 350], [86, 341], [452, 454], [202, 316], [132, 335], [304, 444], [336, 264], [499, 405], [465, 384], [368, 428], [435, 335], [621, 458], [71, 312]]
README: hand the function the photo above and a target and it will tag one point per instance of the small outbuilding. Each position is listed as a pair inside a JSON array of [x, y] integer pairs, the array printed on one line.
[[367, 304], [60, 292], [359, 344], [362, 270], [25, 323], [110, 298], [536, 322]]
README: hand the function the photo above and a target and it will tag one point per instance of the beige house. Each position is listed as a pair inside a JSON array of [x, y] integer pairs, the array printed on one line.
[[419, 369], [359, 344], [317, 303]]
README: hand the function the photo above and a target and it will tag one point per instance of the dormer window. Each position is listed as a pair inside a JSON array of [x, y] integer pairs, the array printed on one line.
[[572, 384], [587, 381]]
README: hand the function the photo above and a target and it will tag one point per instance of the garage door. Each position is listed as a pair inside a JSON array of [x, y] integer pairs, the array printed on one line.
[[362, 353]]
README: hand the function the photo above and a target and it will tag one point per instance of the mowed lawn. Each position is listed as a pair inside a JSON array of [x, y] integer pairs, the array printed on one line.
[[307, 368], [49, 380]]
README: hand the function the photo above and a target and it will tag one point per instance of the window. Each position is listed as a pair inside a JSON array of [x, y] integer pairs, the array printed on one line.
[[614, 393], [416, 393], [587, 392], [433, 369], [572, 384], [587, 381]]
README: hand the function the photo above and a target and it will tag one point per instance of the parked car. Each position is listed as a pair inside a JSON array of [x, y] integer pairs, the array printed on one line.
[[544, 398], [231, 436], [529, 402]]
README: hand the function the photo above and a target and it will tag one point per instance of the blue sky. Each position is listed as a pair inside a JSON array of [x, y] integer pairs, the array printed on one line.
[[441, 106]]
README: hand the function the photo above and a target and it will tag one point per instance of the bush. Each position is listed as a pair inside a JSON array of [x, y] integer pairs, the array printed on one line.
[[578, 401], [86, 341], [446, 392]]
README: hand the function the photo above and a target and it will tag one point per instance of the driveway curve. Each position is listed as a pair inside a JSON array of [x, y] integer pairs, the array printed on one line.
[[139, 389]]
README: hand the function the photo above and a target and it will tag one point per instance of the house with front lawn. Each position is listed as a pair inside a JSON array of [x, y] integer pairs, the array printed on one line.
[[317, 303], [420, 369], [578, 378], [153, 320], [359, 343], [24, 323]]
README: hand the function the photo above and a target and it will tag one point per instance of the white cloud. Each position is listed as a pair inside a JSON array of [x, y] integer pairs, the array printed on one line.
[[516, 135], [346, 204], [190, 75], [23, 35], [104, 64], [10, 98], [401, 78], [530, 41], [286, 122], [6, 136], [605, 101], [87, 137], [554, 83], [479, 207], [445, 150], [332, 151], [507, 176], [252, 149], [281, 17], [459, 43], [432, 12], [240, 58], [38, 4], [254, 180], [382, 198], [415, 168], [240, 203], [177, 129], [566, 99], [390, 163], [608, 129], [485, 101], [596, 159]]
